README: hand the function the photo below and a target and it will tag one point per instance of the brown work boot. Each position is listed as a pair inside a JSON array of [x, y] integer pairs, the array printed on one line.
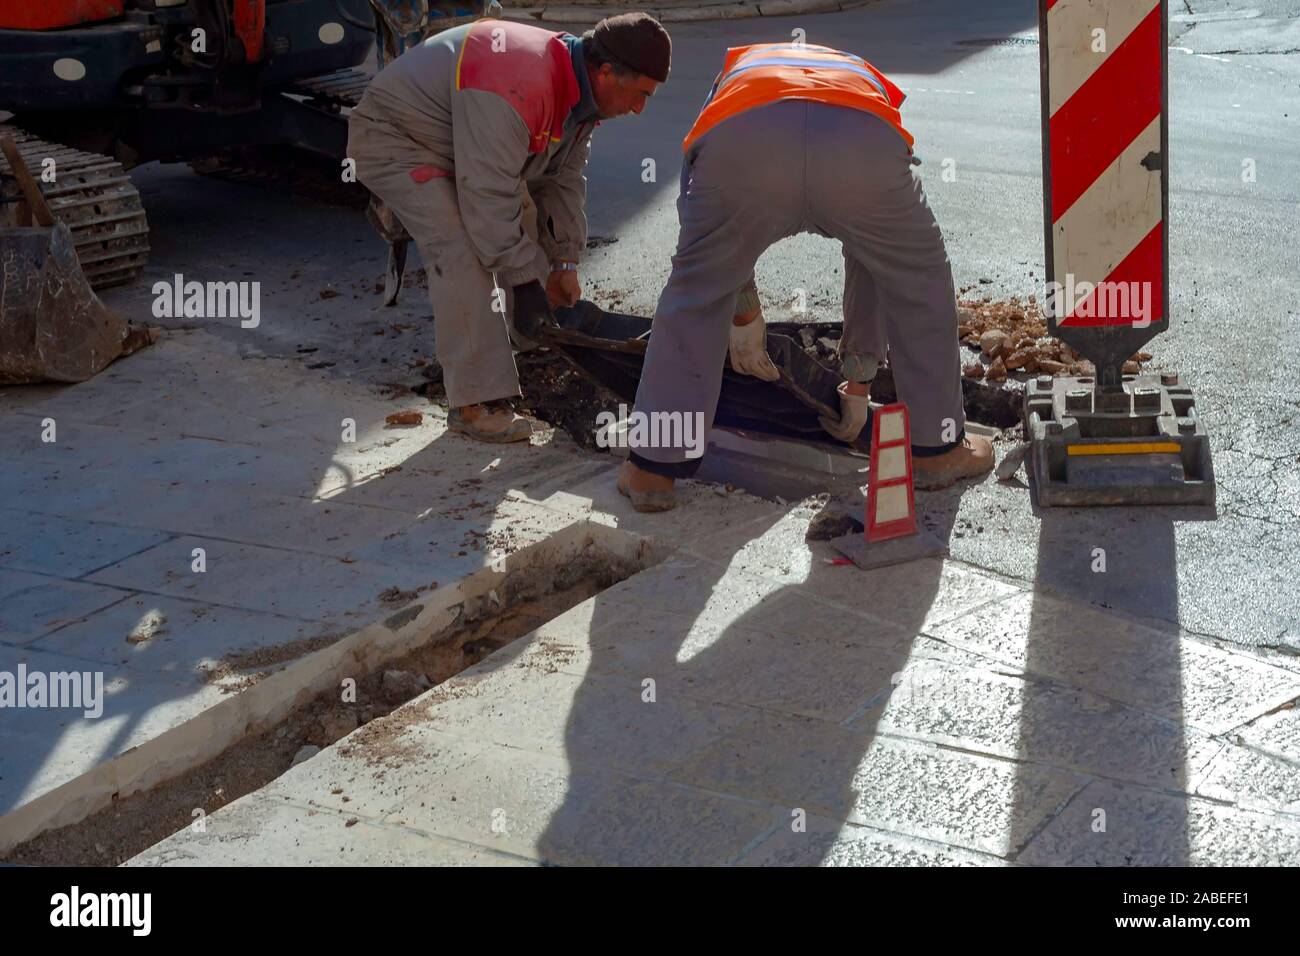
[[973, 457], [648, 492], [494, 422]]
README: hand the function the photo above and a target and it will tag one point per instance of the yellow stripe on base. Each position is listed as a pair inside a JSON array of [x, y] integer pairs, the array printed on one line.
[[1127, 448]]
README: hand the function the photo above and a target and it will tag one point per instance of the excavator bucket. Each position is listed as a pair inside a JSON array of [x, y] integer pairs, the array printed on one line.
[[53, 328]]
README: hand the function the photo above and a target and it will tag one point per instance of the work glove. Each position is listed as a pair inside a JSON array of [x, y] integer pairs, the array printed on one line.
[[532, 312], [854, 410], [748, 348]]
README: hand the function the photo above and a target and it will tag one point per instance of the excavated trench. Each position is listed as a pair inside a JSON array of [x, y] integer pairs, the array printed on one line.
[[523, 601], [556, 392]]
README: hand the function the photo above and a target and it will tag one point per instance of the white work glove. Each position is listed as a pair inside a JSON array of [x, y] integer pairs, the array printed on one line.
[[853, 415], [748, 348]]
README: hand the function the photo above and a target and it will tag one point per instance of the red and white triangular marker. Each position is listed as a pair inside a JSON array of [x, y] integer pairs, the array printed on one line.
[[891, 504]]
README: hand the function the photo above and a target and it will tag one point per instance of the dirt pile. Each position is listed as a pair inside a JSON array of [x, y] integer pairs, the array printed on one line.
[[1008, 339]]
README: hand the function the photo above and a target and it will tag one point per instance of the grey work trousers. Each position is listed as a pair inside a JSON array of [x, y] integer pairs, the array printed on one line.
[[799, 166], [471, 337]]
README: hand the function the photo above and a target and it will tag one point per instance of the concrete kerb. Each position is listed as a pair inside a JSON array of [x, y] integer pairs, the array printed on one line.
[[738, 10], [272, 699]]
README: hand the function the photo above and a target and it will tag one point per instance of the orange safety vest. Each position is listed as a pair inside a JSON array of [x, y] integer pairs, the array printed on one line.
[[766, 72]]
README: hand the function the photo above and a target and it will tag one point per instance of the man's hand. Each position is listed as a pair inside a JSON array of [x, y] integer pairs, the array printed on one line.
[[562, 288], [748, 347], [854, 409]]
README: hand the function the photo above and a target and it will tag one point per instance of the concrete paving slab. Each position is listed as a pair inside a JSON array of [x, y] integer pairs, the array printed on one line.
[[189, 635], [957, 798], [257, 830], [826, 842], [1144, 828], [961, 799], [65, 548], [1277, 733], [829, 679], [535, 805], [12, 582], [1253, 781], [51, 746], [1038, 721], [1187, 681], [919, 594], [28, 614], [289, 583], [607, 720], [789, 761], [377, 768]]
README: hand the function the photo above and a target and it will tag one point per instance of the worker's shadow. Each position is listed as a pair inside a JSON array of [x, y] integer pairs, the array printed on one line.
[[725, 724]]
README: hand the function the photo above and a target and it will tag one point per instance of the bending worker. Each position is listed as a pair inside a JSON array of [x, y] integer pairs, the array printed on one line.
[[451, 134], [798, 138]]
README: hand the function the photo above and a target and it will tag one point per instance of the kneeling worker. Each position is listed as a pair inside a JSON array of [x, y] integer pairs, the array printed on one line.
[[798, 138]]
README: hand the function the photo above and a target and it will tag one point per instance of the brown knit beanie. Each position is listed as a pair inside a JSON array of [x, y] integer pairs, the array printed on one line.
[[638, 42]]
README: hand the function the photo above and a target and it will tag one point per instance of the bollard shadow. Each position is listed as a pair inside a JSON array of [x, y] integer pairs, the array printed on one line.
[[1102, 655]]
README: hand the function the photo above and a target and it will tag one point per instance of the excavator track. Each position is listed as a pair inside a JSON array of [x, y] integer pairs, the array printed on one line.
[[94, 197], [296, 171]]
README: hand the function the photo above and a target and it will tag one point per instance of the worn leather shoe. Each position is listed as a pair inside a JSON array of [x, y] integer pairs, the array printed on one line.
[[973, 457]]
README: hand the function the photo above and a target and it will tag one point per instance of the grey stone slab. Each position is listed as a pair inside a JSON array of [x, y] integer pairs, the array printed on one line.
[[115, 387], [916, 595], [547, 808], [463, 541], [711, 594], [1253, 780], [976, 802], [1277, 733], [825, 842], [517, 699], [616, 632], [188, 635], [1038, 721], [1145, 828], [478, 477], [48, 746], [36, 610], [90, 464], [792, 762], [66, 548], [963, 799], [290, 583], [12, 582], [258, 830], [324, 527], [702, 516], [829, 677], [378, 767], [1187, 681]]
